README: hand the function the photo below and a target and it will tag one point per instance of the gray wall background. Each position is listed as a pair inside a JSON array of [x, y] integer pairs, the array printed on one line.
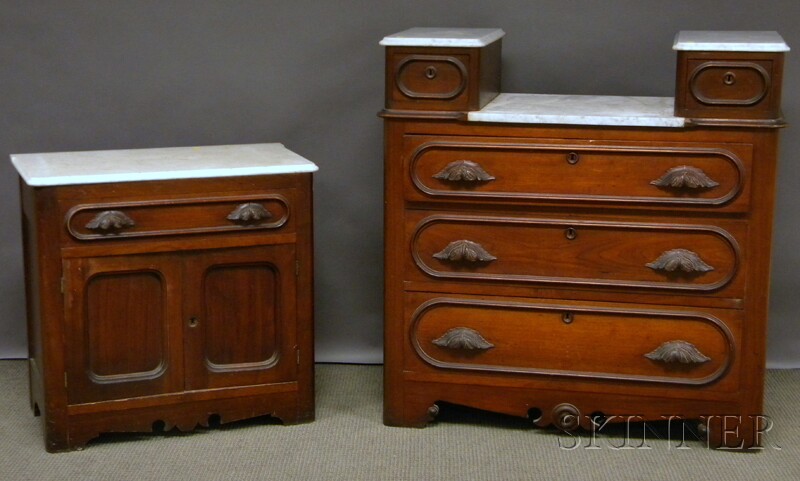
[[87, 75]]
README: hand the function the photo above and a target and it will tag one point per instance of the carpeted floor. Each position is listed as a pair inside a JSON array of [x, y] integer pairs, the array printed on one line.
[[349, 442]]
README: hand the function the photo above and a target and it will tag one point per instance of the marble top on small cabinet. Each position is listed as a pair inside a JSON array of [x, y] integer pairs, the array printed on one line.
[[580, 110], [443, 37], [99, 166], [730, 41]]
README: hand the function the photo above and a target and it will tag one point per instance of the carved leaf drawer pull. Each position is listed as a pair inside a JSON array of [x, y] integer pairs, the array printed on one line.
[[464, 250], [678, 351], [685, 177], [464, 171], [249, 212], [463, 338], [680, 260], [110, 220]]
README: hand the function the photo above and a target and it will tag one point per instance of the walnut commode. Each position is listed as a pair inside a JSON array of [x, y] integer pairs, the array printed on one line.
[[577, 258], [167, 286]]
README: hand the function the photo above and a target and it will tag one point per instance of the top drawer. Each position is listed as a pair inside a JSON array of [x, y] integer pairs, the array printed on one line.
[[508, 170], [176, 216], [443, 79], [729, 85]]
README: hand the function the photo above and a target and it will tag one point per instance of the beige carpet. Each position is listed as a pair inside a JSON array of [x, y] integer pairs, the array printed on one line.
[[349, 442]]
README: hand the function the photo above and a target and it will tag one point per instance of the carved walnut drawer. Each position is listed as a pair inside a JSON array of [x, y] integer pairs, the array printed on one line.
[[167, 287], [462, 334], [578, 258], [713, 176]]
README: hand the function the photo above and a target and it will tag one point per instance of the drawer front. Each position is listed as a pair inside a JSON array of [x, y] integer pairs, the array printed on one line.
[[599, 253], [430, 79], [583, 341], [729, 82], [507, 170], [432, 76], [161, 217], [726, 85]]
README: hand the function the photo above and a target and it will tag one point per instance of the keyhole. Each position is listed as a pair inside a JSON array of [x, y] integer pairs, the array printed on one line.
[[192, 321], [570, 233], [567, 317], [573, 158], [729, 78], [430, 72]]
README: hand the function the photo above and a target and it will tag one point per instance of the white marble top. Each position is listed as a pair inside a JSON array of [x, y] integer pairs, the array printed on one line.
[[580, 110], [443, 37], [99, 166], [730, 41]]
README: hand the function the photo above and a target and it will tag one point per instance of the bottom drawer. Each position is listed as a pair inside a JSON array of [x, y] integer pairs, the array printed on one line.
[[637, 344]]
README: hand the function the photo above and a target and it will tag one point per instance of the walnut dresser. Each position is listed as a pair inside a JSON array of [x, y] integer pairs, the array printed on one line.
[[580, 259], [167, 288]]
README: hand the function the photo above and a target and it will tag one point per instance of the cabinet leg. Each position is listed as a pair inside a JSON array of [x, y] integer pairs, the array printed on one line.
[[57, 439], [415, 414]]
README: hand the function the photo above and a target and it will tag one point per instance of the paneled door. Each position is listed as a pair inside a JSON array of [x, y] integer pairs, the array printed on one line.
[[123, 326], [240, 317]]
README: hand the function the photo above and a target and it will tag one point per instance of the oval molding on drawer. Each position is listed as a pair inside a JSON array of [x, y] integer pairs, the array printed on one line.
[[520, 172], [164, 217], [522, 342], [601, 254], [739, 84], [439, 77]]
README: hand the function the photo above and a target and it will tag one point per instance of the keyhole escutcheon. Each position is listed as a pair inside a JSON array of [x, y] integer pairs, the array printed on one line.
[[570, 233], [430, 72], [729, 78], [573, 158]]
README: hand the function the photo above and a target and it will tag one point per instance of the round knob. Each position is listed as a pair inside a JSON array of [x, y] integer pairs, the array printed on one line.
[[566, 417]]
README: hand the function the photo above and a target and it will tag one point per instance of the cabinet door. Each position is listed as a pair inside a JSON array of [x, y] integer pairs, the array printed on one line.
[[240, 317], [122, 320]]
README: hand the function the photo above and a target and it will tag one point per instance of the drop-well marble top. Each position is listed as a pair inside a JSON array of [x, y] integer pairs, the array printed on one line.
[[580, 110], [730, 41], [443, 37], [99, 166]]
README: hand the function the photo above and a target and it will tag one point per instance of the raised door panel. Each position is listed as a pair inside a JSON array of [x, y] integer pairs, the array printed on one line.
[[121, 315], [240, 317]]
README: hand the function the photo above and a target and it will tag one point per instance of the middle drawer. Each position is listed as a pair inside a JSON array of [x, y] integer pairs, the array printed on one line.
[[700, 258]]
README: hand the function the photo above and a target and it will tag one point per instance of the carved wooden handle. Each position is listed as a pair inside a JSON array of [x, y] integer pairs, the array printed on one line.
[[464, 251], [465, 171], [249, 212], [463, 338], [678, 351], [110, 220], [685, 177], [680, 259]]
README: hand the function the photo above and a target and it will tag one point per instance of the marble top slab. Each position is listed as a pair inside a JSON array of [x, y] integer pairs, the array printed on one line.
[[730, 41], [99, 166], [580, 110], [443, 37]]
